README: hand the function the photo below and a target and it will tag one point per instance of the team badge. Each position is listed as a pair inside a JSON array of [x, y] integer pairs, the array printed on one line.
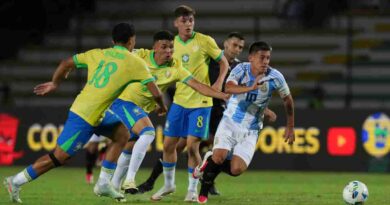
[[264, 87], [136, 111], [168, 74], [185, 58], [78, 146]]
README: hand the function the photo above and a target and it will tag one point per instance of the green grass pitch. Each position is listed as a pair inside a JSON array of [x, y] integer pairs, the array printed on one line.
[[67, 186]]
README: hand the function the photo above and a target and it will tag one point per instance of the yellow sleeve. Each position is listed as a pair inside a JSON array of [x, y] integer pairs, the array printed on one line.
[[142, 73], [212, 49], [183, 75], [140, 52], [81, 59]]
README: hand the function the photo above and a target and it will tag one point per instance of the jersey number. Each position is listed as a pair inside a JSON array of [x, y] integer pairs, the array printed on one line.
[[102, 76], [199, 123], [250, 97]]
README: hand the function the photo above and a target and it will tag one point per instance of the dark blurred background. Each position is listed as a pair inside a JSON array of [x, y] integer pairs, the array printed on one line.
[[334, 53]]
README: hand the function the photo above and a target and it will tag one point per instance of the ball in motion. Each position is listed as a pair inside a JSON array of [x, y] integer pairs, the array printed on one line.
[[355, 193]]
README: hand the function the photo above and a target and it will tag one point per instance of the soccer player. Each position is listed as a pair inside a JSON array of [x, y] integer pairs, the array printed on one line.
[[135, 102], [109, 71], [233, 46], [188, 116], [252, 85]]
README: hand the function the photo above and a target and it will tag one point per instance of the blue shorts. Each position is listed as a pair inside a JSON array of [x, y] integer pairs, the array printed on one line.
[[128, 112], [182, 122], [77, 131]]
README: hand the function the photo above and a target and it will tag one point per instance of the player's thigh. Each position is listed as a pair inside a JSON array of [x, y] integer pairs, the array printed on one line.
[[75, 134], [176, 122], [128, 112], [245, 149], [112, 127], [224, 138], [198, 122]]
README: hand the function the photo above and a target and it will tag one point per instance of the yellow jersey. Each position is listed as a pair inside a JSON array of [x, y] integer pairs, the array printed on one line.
[[195, 56], [164, 75], [109, 72]]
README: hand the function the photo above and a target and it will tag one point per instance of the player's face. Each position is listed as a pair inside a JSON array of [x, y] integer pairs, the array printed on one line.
[[233, 47], [163, 50], [260, 61], [185, 25]]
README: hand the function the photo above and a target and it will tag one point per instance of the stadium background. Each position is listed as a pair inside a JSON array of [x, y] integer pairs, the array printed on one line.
[[333, 53]]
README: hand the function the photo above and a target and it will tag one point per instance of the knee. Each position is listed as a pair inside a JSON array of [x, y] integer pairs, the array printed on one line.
[[121, 135], [169, 147], [218, 159], [236, 171]]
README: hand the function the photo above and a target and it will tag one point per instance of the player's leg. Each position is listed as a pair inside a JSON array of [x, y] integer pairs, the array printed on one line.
[[211, 170], [123, 165], [198, 120], [113, 128], [91, 155], [75, 134], [243, 153], [158, 168], [223, 143], [174, 126], [215, 117], [145, 130]]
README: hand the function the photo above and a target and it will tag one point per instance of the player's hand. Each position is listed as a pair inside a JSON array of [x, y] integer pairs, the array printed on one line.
[[289, 135], [217, 86], [161, 111], [226, 97], [44, 88], [271, 115], [255, 85]]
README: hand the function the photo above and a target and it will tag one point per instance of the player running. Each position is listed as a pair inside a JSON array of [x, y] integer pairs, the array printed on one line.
[[109, 72], [252, 85]]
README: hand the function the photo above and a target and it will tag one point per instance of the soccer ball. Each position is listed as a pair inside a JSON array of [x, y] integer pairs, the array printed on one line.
[[355, 193]]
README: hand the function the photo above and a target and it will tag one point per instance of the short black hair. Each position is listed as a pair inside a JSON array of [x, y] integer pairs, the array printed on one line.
[[184, 10], [235, 35], [122, 32], [163, 35], [259, 46]]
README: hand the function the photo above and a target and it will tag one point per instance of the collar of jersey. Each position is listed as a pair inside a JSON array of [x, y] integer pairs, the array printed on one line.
[[120, 48], [188, 41], [154, 62]]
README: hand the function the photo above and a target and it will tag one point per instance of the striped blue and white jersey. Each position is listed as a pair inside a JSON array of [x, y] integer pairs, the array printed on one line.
[[247, 109]]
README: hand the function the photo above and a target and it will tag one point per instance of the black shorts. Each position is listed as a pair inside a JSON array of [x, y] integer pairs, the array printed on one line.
[[215, 118]]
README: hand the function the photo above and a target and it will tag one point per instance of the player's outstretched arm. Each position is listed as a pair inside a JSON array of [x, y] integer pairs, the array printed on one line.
[[158, 97], [289, 135], [223, 69], [62, 71], [206, 90]]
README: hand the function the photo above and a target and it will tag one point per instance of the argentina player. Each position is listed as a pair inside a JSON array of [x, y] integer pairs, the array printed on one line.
[[252, 85]]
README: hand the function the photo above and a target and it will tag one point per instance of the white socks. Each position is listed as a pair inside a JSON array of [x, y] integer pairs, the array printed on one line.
[[138, 155], [121, 169]]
